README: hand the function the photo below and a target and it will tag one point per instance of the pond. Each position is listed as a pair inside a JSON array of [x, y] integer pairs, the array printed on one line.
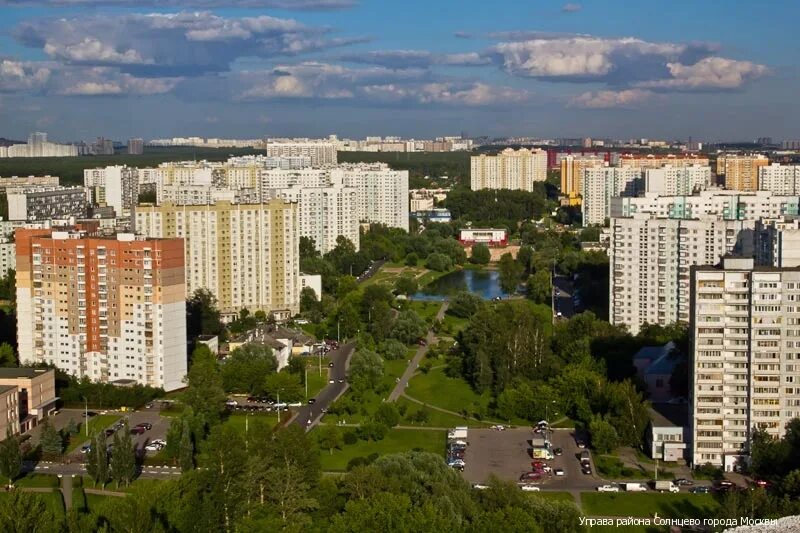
[[485, 284]]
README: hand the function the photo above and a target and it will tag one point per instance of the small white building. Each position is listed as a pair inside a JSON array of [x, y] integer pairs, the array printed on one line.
[[489, 237], [665, 439], [310, 280]]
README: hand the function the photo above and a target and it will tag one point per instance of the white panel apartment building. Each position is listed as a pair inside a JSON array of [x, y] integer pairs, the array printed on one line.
[[779, 179], [677, 180], [600, 184], [650, 258], [321, 153], [510, 169], [727, 204], [745, 357], [382, 192], [116, 187], [778, 242]]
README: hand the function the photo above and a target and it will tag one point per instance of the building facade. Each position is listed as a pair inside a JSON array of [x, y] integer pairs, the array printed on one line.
[[320, 153], [27, 181], [730, 205], [670, 180], [106, 308], [36, 394], [135, 146], [642, 161], [45, 203], [600, 184], [741, 171], [778, 242], [382, 192], [779, 179], [572, 167], [246, 255], [510, 169], [116, 187], [745, 348], [488, 236]]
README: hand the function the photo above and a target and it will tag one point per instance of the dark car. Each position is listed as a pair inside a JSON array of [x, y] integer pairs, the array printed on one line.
[[558, 451], [110, 431], [699, 490], [138, 430], [311, 400], [330, 364], [587, 470], [683, 481], [146, 425], [530, 476]]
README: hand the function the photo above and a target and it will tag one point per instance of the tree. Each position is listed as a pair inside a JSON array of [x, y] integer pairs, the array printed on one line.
[[406, 285], [366, 369], [7, 355], [510, 273], [123, 457], [23, 512], [186, 449], [408, 327], [387, 414], [603, 435], [464, 304], [245, 369], [288, 492], [480, 254], [50, 440], [439, 262], [97, 460], [412, 259], [309, 303], [380, 320], [308, 248], [204, 393], [284, 384], [539, 288], [203, 317], [10, 458], [347, 284], [525, 258], [347, 320], [72, 427], [392, 349], [331, 437]]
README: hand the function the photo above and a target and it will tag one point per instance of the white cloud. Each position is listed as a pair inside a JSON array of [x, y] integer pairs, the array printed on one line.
[[19, 75], [299, 5], [402, 59], [571, 8], [709, 73], [93, 51], [608, 99], [99, 81]]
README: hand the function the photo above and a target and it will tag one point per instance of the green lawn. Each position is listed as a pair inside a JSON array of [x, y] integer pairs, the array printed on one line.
[[427, 310], [437, 419], [684, 505], [553, 496], [240, 423], [396, 440], [612, 467], [53, 500], [96, 423], [37, 480], [453, 394], [453, 324]]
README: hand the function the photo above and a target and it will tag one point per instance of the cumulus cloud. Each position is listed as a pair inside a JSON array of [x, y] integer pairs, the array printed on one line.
[[571, 8], [20, 75], [106, 81], [447, 93], [402, 59], [298, 5], [160, 44], [709, 73], [609, 99]]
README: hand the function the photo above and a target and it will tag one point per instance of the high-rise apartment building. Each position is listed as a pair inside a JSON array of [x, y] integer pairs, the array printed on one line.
[[247, 255], [778, 242], [642, 161], [135, 146], [110, 309], [382, 192], [600, 184], [116, 187], [34, 203], [650, 258], [14, 182], [779, 179], [672, 180], [745, 357], [510, 169], [730, 205], [572, 167], [741, 171], [321, 153], [39, 146]]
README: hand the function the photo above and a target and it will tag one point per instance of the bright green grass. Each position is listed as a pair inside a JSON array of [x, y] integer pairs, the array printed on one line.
[[685, 505], [396, 440], [52, 500], [453, 324], [437, 419], [435, 388], [553, 496], [96, 423], [37, 480], [427, 310]]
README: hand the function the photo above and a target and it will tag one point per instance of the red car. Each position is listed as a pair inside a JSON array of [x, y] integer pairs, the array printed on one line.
[[530, 476], [138, 430]]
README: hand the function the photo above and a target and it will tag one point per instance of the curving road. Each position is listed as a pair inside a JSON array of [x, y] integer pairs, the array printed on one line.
[[309, 415]]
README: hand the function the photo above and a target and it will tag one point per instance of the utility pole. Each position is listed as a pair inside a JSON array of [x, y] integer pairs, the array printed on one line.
[[338, 337], [86, 415], [306, 381]]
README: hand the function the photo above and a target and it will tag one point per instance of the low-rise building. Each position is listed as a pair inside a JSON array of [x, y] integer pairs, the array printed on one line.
[[433, 215], [665, 437], [314, 281], [654, 366], [36, 394], [489, 237]]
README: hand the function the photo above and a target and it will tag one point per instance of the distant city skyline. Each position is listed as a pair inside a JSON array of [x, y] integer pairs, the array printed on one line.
[[252, 68]]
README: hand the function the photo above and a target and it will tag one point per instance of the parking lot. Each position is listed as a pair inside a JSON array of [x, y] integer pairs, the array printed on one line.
[[505, 454], [160, 425]]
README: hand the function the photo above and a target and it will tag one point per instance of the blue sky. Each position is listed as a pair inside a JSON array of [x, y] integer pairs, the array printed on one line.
[[714, 70]]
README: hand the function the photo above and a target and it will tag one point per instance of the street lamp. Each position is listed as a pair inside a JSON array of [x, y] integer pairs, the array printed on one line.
[[86, 415], [279, 404]]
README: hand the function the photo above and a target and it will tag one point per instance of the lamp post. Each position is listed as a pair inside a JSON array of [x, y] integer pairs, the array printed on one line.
[[86, 415]]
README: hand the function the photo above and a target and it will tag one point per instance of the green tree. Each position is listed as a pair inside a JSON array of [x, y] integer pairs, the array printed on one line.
[[204, 393], [203, 317], [366, 369], [392, 350], [97, 460], [7, 355], [439, 262], [510, 273], [387, 414], [409, 327], [10, 458], [347, 284], [309, 304], [412, 259], [538, 287], [603, 435], [480, 255], [347, 320], [288, 493], [186, 449], [464, 304], [308, 248], [330, 437], [246, 368], [72, 427], [24, 512], [525, 258], [380, 320], [406, 285], [285, 384], [50, 440], [123, 457]]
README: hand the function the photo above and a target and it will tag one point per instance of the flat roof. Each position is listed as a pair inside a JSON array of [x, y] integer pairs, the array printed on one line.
[[669, 415], [24, 372]]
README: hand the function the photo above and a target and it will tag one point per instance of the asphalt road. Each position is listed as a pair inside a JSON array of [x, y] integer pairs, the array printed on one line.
[[309, 415], [563, 296], [414, 363]]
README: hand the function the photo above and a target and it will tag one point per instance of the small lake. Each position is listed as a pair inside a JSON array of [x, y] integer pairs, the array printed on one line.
[[483, 283]]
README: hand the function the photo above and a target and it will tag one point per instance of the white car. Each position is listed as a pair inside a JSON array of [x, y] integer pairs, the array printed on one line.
[[607, 488], [558, 471], [457, 462], [480, 487], [530, 488], [154, 447]]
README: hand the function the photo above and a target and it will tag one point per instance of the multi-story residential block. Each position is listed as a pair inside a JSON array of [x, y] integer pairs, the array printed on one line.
[[778, 241], [642, 161], [741, 171], [135, 146], [510, 169], [9, 410], [382, 192], [247, 255], [36, 203], [204, 194], [8, 256], [36, 395], [325, 213], [116, 187], [779, 179], [39, 146], [14, 182], [600, 184], [572, 167], [108, 308], [321, 153], [650, 258], [745, 348], [670, 180], [730, 205]]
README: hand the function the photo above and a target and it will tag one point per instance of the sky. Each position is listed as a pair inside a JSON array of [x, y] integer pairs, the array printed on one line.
[[713, 70]]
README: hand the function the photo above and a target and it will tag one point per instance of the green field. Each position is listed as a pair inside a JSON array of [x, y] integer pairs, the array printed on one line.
[[684, 505], [436, 419], [396, 440], [553, 496], [427, 310], [453, 394], [53, 500], [37, 480], [96, 423]]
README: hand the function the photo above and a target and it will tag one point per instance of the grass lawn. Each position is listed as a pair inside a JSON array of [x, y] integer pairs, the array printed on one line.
[[436, 419], [396, 440], [610, 466], [453, 324], [453, 394], [240, 423], [553, 496], [52, 500], [647, 504], [96, 423], [37, 480], [427, 310]]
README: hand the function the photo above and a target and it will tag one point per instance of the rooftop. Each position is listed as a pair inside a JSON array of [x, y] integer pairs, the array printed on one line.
[[24, 372]]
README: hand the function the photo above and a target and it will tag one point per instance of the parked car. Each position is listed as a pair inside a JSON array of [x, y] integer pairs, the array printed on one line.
[[559, 471], [311, 401], [700, 490], [231, 403], [608, 488], [480, 486], [330, 364], [682, 481], [530, 488], [110, 431], [137, 430], [579, 443], [86, 448], [153, 447], [586, 470], [146, 425], [558, 451], [528, 476], [762, 483]]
